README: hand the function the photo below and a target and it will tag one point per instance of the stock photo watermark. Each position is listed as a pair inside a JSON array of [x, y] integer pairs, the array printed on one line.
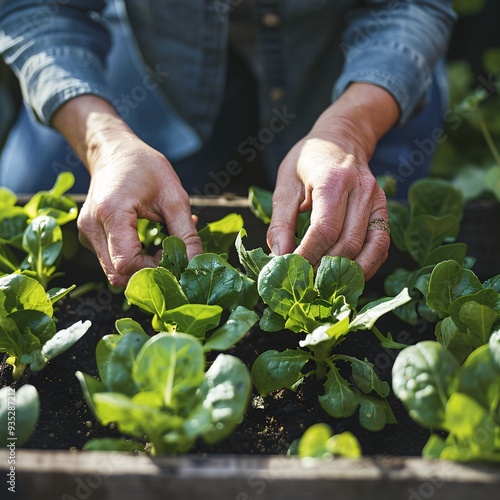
[[11, 440]]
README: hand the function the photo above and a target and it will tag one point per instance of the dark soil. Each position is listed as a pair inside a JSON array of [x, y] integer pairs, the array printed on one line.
[[271, 424]]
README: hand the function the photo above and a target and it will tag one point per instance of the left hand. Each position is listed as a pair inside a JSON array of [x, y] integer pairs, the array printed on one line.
[[327, 172]]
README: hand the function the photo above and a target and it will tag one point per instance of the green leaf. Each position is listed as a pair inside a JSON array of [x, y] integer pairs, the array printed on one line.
[[452, 251], [40, 324], [339, 276], [8, 261], [43, 242], [116, 357], [313, 441], [422, 378], [434, 447], [365, 377], [132, 418], [449, 281], [372, 412], [26, 405], [126, 325], [13, 222], [261, 203], [318, 442], [301, 318], [195, 319], [455, 341], [219, 236], [271, 321], [19, 292], [55, 294], [228, 388], [11, 341], [253, 260], [53, 203], [286, 280], [344, 444], [7, 198], [90, 386], [479, 320], [399, 218], [328, 332], [493, 283], [209, 279], [64, 339], [155, 290], [366, 318], [339, 399], [435, 197], [469, 422], [274, 370], [480, 378], [239, 323], [172, 365], [174, 256], [487, 298], [425, 233]]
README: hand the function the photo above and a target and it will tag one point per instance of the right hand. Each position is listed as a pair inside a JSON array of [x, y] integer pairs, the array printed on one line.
[[129, 181]]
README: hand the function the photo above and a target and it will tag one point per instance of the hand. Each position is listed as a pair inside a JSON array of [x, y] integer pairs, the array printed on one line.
[[327, 172], [129, 180]]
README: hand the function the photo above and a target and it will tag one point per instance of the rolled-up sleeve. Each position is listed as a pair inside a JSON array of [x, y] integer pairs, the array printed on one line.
[[395, 45], [57, 48]]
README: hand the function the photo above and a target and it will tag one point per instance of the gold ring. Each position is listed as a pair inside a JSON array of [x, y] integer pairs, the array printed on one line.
[[379, 224]]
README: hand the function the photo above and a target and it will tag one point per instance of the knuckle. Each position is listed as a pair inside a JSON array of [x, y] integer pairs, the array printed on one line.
[[351, 248]]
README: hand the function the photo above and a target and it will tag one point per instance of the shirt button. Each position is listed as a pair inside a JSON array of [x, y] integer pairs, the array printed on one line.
[[276, 93], [270, 20]]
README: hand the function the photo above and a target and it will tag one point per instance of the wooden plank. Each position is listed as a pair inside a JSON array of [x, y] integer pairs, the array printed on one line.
[[51, 475]]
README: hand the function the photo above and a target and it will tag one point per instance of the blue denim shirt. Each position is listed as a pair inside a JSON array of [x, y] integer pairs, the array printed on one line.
[[308, 52]]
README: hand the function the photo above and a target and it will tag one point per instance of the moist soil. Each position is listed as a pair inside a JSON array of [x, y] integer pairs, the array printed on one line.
[[271, 423]]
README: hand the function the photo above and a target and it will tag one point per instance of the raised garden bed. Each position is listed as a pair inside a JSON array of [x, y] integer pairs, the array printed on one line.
[[271, 424]]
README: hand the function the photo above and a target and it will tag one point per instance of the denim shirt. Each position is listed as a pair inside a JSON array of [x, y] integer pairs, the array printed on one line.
[[308, 52]]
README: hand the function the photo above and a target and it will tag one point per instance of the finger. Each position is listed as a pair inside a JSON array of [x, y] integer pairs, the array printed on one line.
[[180, 222], [114, 244], [283, 226], [376, 245], [124, 247], [327, 220]]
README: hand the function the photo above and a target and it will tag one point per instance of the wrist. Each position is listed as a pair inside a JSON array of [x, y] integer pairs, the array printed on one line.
[[362, 115], [90, 124]]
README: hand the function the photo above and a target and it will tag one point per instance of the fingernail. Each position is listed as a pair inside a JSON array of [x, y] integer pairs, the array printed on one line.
[[275, 250]]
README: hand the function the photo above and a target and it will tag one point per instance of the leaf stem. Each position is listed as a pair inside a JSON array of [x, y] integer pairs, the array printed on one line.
[[487, 136], [389, 344]]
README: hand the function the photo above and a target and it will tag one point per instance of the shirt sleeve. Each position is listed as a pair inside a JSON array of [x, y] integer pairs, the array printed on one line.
[[395, 45], [56, 48]]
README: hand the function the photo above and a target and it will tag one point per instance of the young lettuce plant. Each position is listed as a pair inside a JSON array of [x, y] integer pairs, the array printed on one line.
[[157, 389], [425, 229], [35, 229], [324, 307], [462, 400], [469, 310], [191, 297], [318, 441], [27, 328]]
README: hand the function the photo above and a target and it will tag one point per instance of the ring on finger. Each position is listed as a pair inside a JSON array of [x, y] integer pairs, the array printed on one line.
[[379, 224]]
